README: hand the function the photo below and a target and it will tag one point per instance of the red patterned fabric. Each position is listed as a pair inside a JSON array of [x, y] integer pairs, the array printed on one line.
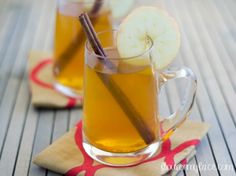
[[42, 86], [166, 152]]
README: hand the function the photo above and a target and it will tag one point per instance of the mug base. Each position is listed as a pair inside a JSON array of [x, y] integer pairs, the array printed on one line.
[[120, 159]]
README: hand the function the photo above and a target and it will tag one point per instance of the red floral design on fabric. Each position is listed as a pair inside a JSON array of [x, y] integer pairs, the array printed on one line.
[[35, 78], [166, 152]]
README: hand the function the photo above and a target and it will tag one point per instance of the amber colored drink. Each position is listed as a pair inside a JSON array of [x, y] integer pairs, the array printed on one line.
[[105, 124], [69, 48]]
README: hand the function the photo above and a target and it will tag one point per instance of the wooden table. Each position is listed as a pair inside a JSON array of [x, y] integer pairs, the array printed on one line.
[[208, 47]]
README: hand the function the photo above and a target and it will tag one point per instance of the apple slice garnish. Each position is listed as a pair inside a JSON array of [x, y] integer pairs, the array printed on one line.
[[146, 23]]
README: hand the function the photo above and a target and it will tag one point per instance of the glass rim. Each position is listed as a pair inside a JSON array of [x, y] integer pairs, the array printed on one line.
[[91, 52]]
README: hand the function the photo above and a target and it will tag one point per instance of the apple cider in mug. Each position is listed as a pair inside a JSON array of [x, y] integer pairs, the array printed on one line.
[[70, 38], [103, 113]]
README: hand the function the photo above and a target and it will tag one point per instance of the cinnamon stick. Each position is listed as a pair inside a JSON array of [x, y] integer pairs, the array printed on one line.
[[123, 101]]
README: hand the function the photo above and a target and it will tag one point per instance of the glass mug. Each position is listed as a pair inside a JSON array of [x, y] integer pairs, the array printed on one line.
[[70, 39], [121, 121]]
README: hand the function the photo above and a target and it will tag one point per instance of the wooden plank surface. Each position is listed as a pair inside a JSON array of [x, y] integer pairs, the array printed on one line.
[[193, 48], [208, 30]]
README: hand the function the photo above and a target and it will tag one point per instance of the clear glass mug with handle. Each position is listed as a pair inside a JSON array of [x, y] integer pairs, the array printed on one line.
[[121, 120]]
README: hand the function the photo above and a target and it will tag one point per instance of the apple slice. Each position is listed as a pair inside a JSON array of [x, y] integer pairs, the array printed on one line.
[[146, 23], [120, 8]]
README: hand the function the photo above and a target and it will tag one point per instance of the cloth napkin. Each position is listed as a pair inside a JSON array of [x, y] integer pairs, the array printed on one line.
[[41, 83], [67, 156]]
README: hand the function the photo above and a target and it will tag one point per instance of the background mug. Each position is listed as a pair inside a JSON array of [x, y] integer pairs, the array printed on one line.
[[69, 41]]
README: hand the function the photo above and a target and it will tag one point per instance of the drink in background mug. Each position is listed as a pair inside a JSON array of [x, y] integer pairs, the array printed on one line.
[[121, 120], [70, 39]]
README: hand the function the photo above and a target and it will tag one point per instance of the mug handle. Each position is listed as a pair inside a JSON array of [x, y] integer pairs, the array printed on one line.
[[177, 118]]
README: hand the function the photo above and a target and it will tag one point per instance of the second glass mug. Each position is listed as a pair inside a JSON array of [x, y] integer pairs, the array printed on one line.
[[70, 39], [121, 121]]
